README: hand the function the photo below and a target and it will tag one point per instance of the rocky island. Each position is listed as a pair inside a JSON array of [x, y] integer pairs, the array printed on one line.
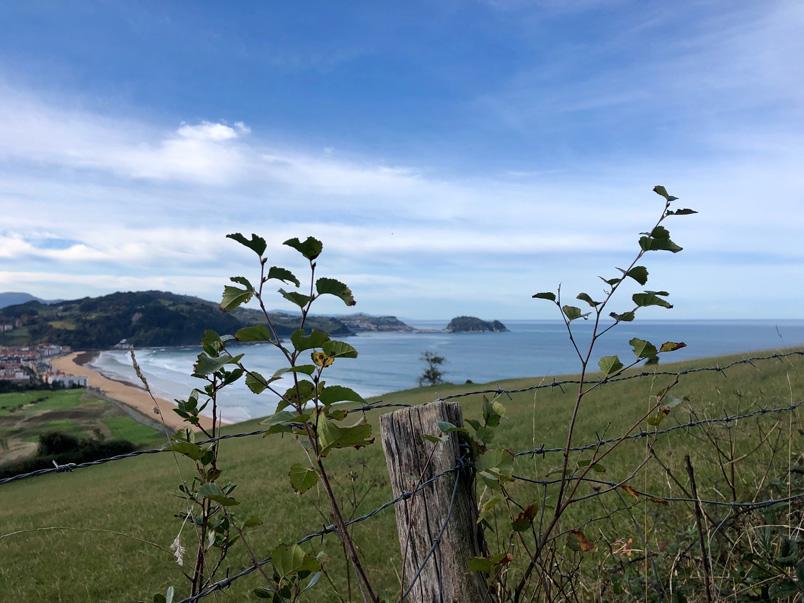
[[471, 324]]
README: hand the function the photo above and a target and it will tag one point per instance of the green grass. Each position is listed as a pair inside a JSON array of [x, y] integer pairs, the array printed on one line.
[[42, 400], [24, 416], [60, 514], [125, 428]]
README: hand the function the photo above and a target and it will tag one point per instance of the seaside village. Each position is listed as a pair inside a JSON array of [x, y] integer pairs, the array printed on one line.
[[29, 366]]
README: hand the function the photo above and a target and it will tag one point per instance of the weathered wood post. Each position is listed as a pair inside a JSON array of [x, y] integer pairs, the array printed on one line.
[[419, 519]]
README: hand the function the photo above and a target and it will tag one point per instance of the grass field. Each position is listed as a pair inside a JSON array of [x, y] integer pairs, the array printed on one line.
[[103, 533], [24, 416]]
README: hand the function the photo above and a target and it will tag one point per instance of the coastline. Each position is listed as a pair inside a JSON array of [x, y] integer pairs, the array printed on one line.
[[129, 394]]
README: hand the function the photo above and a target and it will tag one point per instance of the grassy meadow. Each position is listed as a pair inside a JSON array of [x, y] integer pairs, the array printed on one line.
[[103, 533], [24, 416]]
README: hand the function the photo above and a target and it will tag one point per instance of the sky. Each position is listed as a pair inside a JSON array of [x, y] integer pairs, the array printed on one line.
[[454, 156]]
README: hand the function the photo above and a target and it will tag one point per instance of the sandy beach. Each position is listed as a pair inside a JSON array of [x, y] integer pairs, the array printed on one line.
[[126, 393]]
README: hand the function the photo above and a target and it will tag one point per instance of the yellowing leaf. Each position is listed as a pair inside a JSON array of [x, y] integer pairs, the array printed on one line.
[[631, 491], [577, 541], [321, 359]]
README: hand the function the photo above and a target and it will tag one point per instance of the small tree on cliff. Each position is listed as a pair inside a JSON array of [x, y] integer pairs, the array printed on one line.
[[432, 374]]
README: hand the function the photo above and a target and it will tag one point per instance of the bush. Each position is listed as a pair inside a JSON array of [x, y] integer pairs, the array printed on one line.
[[64, 448]]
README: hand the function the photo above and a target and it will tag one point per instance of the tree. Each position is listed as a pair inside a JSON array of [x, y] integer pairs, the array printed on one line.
[[432, 374]]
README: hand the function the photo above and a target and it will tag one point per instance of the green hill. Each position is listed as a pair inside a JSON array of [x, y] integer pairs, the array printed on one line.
[[120, 516], [144, 318]]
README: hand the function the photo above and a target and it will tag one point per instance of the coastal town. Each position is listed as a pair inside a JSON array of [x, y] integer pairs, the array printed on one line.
[[29, 366]]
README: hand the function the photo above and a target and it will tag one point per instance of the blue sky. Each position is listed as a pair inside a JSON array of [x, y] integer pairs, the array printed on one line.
[[455, 157]]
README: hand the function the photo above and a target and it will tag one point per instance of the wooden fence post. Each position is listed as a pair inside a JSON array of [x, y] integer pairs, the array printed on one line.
[[419, 519]]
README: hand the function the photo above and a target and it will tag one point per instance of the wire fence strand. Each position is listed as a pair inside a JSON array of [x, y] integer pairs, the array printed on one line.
[[69, 467], [221, 584]]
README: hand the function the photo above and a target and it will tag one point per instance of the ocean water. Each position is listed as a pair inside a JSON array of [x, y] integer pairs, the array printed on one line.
[[391, 361]]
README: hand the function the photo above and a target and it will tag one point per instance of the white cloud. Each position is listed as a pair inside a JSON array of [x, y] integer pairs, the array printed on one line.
[[209, 131]]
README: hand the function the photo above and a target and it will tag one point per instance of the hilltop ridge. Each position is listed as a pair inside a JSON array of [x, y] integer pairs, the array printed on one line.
[[154, 319]]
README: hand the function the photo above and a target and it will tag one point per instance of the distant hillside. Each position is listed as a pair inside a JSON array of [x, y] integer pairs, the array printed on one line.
[[150, 319], [366, 322], [470, 324], [14, 298]]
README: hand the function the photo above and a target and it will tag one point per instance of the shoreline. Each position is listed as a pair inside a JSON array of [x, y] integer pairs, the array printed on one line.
[[128, 394]]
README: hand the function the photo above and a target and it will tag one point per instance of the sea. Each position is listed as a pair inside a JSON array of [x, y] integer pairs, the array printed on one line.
[[389, 362]]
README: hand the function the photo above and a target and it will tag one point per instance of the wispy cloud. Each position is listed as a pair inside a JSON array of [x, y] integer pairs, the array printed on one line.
[[97, 201]]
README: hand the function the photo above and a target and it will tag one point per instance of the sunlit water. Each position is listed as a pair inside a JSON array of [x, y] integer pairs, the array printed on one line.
[[391, 361]]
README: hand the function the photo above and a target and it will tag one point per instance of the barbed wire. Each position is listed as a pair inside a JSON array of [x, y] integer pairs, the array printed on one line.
[[657, 498], [226, 582], [69, 467], [554, 383], [740, 506], [644, 434]]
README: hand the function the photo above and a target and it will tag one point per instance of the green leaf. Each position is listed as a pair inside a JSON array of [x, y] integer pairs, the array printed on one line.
[[596, 467], [302, 478], [256, 244], [332, 436], [545, 295], [304, 369], [187, 449], [255, 333], [447, 427], [298, 394], [282, 274], [214, 492], [524, 519], [788, 553], [339, 414], [658, 240], [682, 212], [205, 365], [660, 190], [493, 412], [572, 312], [488, 506], [783, 589], [610, 281], [339, 349], [211, 338], [233, 297], [336, 393], [296, 298], [668, 404], [585, 297], [672, 346], [283, 416], [330, 286], [610, 365], [495, 466], [434, 439], [257, 383], [311, 248], [642, 348], [650, 299], [291, 559], [252, 522], [301, 342], [639, 274], [625, 317]]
